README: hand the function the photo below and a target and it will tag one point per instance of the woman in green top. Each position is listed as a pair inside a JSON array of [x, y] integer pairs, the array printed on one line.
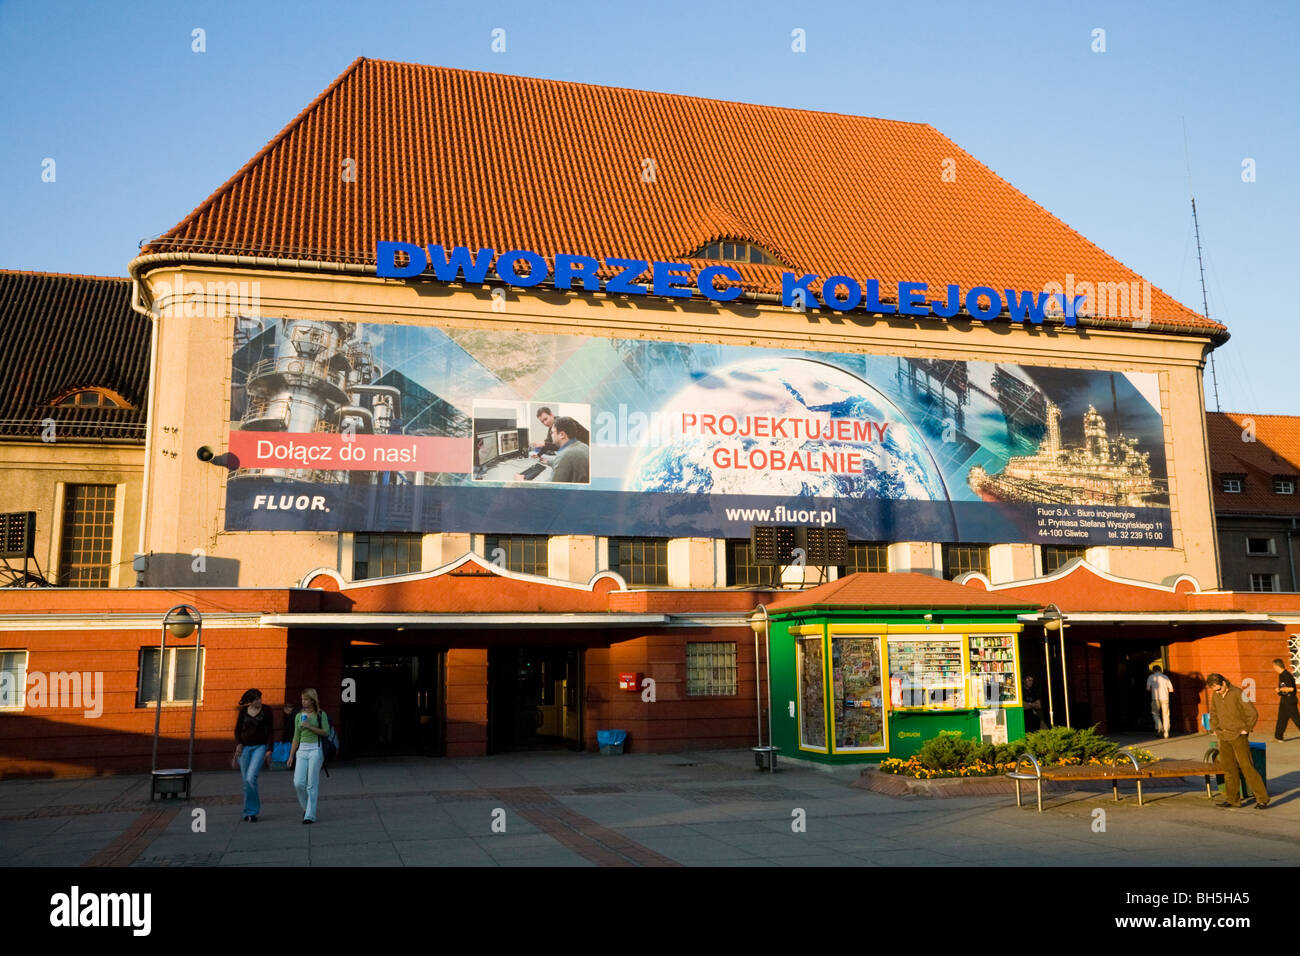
[[312, 726]]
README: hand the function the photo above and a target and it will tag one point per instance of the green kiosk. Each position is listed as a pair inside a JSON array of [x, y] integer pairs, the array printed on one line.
[[873, 665]]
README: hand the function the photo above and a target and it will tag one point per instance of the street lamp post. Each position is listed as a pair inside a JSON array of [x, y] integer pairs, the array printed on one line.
[[764, 756], [180, 622], [1055, 621]]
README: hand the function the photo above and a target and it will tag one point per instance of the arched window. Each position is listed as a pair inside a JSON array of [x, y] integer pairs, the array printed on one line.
[[91, 398], [731, 250]]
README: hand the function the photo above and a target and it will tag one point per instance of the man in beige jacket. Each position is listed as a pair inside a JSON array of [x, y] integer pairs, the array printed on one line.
[[1232, 719]]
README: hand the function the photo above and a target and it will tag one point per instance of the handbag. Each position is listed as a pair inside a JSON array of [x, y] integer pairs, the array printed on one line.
[[280, 751]]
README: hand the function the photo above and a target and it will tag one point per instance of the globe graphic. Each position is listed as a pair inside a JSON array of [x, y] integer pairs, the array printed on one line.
[[899, 467]]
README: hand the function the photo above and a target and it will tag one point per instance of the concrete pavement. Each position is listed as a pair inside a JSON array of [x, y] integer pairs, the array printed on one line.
[[701, 808]]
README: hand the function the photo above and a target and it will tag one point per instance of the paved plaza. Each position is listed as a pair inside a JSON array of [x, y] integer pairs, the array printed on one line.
[[689, 809]]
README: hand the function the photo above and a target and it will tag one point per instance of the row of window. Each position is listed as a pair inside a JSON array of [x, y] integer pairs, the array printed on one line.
[[1262, 547], [643, 562], [86, 555], [1236, 484], [710, 672], [66, 689]]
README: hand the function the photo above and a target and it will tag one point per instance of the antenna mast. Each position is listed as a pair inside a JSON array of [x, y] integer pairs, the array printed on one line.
[[1200, 262], [1205, 307]]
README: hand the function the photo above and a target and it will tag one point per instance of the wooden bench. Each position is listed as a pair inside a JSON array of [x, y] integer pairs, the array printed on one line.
[[1130, 770]]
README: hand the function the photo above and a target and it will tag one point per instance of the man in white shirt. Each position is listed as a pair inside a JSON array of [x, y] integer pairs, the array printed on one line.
[[1160, 687]]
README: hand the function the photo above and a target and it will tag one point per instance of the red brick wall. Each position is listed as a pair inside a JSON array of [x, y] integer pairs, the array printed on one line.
[[1091, 682], [315, 659], [51, 741], [467, 706], [1236, 655], [673, 721]]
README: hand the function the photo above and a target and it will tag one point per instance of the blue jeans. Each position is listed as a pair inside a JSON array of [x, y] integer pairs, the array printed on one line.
[[250, 765], [306, 779]]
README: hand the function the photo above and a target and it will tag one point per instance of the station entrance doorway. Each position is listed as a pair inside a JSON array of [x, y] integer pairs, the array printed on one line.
[[534, 698], [1126, 665], [398, 706]]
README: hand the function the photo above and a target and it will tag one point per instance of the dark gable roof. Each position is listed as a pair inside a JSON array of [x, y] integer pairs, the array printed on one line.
[[510, 162], [64, 332], [1275, 453]]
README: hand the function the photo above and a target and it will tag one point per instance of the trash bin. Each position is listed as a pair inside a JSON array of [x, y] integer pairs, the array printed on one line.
[[611, 741], [1257, 757], [765, 757], [1261, 765]]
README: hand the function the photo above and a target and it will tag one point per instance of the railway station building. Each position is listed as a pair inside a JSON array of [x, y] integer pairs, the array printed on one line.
[[467, 392]]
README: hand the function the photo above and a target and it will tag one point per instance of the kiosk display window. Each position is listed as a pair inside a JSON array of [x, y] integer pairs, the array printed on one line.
[[812, 694], [859, 705], [993, 670], [927, 672]]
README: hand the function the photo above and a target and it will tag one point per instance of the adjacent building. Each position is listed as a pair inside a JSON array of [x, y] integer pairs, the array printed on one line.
[[74, 376], [1256, 468]]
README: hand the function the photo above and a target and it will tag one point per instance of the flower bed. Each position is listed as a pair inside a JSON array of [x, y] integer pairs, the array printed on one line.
[[912, 767], [946, 757]]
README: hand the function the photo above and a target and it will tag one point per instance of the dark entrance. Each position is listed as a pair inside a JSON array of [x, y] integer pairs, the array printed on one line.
[[1125, 668], [1041, 660], [534, 698], [398, 707], [1033, 663]]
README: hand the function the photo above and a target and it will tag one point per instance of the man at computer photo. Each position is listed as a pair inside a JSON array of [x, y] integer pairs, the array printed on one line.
[[573, 461], [547, 418]]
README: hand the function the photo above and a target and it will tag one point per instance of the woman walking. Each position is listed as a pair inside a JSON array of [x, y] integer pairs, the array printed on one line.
[[311, 727], [253, 730]]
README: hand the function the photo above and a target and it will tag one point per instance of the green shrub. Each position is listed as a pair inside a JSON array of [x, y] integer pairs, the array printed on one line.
[[949, 753], [1010, 752], [1056, 744], [944, 753], [949, 756]]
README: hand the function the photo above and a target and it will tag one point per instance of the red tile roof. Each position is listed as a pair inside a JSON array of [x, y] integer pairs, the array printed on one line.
[[1275, 452], [896, 589], [492, 161]]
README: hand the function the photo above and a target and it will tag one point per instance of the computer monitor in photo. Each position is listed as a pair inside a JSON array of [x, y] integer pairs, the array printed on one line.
[[487, 449]]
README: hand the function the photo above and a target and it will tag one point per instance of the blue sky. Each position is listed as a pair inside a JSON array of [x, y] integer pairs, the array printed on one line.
[[142, 128]]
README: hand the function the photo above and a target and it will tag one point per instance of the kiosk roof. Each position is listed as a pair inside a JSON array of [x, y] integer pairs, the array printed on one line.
[[896, 590]]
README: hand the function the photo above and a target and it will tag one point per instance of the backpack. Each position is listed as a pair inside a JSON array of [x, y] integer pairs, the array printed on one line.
[[329, 745]]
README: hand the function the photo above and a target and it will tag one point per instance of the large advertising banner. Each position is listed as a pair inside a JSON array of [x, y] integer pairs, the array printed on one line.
[[381, 427]]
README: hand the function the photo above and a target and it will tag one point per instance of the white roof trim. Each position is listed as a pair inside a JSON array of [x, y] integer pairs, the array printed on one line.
[[706, 619], [1153, 617], [82, 621], [970, 576], [469, 557], [1074, 564], [522, 619]]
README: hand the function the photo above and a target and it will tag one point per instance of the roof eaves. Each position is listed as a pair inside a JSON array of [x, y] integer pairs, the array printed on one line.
[[1221, 331], [919, 605]]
